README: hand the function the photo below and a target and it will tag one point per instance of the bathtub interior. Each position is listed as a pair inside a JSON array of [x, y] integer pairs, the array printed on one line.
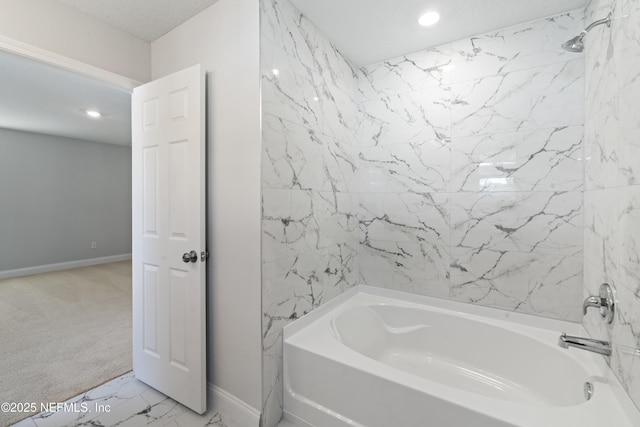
[[462, 352], [377, 357]]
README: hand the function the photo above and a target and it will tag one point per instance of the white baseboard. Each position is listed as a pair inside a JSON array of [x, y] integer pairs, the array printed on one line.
[[38, 269], [232, 407]]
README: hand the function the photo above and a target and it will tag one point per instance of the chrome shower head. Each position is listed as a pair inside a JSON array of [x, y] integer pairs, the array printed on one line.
[[576, 44]]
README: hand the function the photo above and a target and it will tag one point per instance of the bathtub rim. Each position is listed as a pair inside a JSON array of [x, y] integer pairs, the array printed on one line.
[[438, 304]]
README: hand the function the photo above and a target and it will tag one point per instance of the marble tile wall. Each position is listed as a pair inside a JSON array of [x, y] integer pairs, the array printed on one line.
[[612, 180], [309, 182], [470, 170], [454, 172]]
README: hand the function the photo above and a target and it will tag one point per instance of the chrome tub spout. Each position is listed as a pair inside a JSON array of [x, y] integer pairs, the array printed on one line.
[[596, 346]]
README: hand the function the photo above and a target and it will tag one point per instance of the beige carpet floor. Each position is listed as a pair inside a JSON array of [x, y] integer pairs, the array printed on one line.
[[63, 333]]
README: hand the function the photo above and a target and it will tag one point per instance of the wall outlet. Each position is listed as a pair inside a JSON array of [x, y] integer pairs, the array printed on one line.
[[94, 245]]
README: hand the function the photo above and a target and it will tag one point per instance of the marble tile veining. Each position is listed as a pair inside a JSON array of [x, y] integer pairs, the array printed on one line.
[[418, 71], [602, 152], [471, 170], [515, 48], [519, 281], [542, 97], [612, 197], [406, 118], [125, 401], [309, 180], [423, 167], [629, 134], [541, 222], [535, 160]]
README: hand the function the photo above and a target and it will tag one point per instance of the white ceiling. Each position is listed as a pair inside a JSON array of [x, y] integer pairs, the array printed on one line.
[[367, 31], [35, 97], [146, 19]]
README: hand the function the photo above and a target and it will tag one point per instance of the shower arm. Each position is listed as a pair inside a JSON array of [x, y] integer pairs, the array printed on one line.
[[606, 20]]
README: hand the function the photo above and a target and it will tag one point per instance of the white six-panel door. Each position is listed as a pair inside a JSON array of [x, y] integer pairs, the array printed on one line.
[[168, 162]]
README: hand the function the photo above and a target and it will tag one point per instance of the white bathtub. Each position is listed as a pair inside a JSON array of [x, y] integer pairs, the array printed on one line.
[[375, 357]]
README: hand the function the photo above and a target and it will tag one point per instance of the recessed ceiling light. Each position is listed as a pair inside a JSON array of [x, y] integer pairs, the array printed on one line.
[[93, 113], [429, 18], [275, 71]]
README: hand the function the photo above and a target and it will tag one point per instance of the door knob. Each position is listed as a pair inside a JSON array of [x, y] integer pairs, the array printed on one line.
[[190, 257]]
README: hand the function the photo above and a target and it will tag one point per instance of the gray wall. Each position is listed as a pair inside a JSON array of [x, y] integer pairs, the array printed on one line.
[[57, 195]]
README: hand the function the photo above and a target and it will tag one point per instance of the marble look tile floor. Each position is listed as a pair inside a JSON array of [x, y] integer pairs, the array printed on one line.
[[127, 402], [130, 403]]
